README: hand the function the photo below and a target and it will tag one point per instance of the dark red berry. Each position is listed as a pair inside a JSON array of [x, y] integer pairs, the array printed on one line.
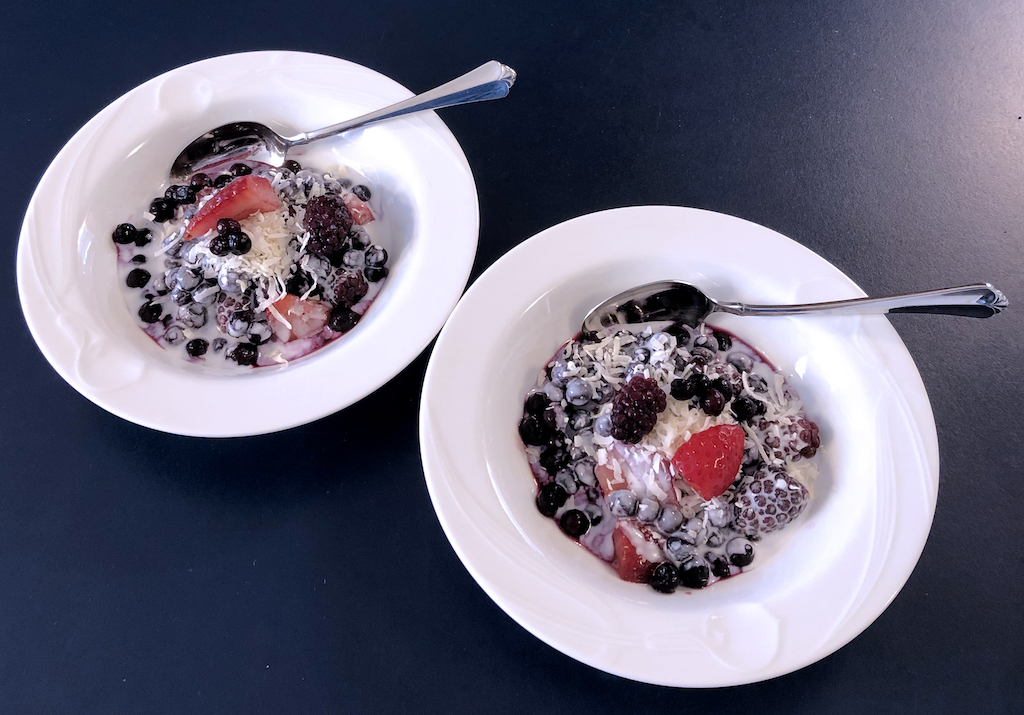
[[240, 169], [150, 312], [200, 181], [635, 409], [197, 347], [349, 289], [664, 578], [223, 180], [342, 319], [362, 192], [550, 498], [137, 278], [328, 221], [574, 523], [124, 234], [228, 225]]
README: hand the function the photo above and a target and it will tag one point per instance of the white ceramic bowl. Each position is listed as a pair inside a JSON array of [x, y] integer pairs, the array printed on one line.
[[815, 586], [114, 165]]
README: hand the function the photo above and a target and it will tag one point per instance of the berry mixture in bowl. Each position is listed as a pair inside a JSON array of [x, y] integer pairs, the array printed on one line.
[[668, 454], [255, 266]]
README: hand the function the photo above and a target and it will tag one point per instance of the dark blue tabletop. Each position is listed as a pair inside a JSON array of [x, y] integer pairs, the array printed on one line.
[[305, 571]]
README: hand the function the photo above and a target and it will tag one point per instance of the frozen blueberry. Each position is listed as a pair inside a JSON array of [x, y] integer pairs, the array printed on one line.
[[375, 274], [696, 385], [124, 234], [670, 519], [180, 194], [713, 402], [259, 332], [580, 420], [238, 323], [206, 294], [353, 259], [741, 361], [567, 481], [239, 243], [180, 296], [536, 403], [219, 245], [358, 237], [719, 564], [594, 513], [554, 458], [292, 166], [138, 259], [641, 355], [678, 549], [577, 392], [622, 503], [174, 335], [361, 192], [143, 237], [603, 425], [228, 225], [218, 344], [240, 169], [740, 551], [723, 386], [534, 431], [648, 509], [757, 383], [192, 316], [150, 312], [162, 210], [706, 342], [229, 281], [137, 278], [376, 256], [585, 473], [244, 354], [664, 578], [200, 181], [188, 278], [553, 392], [694, 573], [196, 347], [701, 356], [744, 408], [342, 319], [550, 498], [574, 523], [724, 340], [223, 180]]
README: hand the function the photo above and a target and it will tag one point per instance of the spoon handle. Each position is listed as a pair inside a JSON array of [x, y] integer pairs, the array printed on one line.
[[980, 300], [488, 81]]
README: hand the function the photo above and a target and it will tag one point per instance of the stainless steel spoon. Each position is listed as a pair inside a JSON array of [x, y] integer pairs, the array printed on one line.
[[239, 140], [684, 303]]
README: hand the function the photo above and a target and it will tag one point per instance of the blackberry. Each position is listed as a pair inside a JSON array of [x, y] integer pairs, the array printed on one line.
[[534, 431], [554, 458], [228, 225], [137, 278], [200, 181], [244, 354], [328, 220], [180, 194], [124, 234], [150, 312], [197, 347], [349, 288], [162, 210], [240, 169], [362, 193], [744, 408], [342, 319], [223, 180], [143, 237], [694, 573], [292, 166], [635, 409], [664, 578], [537, 403], [767, 500], [713, 402], [696, 385], [574, 523], [550, 498], [375, 273]]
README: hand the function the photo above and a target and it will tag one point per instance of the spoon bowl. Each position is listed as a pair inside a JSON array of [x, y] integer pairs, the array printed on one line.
[[242, 140], [684, 303]]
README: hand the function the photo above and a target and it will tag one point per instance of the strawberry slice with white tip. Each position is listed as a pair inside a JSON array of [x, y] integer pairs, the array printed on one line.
[[238, 200], [303, 317], [636, 551]]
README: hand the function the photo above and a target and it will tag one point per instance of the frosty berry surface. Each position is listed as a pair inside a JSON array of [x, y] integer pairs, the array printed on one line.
[[253, 266], [668, 454]]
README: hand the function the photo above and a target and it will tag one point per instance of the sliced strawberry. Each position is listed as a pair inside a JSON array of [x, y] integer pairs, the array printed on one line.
[[304, 317], [361, 213], [710, 460], [238, 200], [629, 563], [641, 469]]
